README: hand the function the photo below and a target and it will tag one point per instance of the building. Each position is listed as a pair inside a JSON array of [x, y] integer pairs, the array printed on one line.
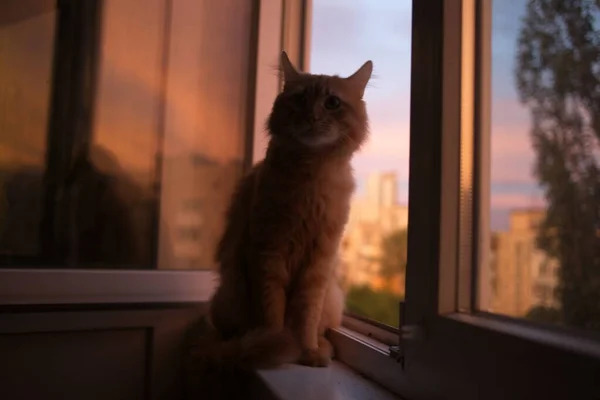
[[523, 276], [373, 216], [193, 210]]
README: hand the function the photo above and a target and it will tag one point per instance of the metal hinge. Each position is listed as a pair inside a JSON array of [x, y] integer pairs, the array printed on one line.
[[397, 355]]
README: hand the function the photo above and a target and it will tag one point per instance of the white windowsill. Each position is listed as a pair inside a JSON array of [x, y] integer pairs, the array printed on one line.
[[338, 381], [363, 369]]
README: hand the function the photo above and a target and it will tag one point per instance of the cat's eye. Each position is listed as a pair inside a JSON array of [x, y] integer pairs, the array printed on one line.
[[332, 103]]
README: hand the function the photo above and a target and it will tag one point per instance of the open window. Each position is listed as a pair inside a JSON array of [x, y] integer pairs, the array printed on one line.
[[503, 224], [500, 304]]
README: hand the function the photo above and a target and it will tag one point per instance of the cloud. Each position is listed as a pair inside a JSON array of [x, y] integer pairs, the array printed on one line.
[[339, 37], [512, 155], [512, 159], [507, 111], [379, 31], [388, 141]]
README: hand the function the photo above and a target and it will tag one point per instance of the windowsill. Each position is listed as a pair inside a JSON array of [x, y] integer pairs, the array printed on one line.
[[362, 369], [338, 381]]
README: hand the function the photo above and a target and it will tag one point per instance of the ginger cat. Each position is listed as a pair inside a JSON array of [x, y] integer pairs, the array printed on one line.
[[278, 291]]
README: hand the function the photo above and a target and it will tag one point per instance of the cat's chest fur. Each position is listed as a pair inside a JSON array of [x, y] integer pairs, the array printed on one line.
[[322, 213], [328, 198], [301, 214]]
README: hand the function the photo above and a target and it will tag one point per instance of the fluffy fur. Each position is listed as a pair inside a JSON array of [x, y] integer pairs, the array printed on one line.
[[278, 291]]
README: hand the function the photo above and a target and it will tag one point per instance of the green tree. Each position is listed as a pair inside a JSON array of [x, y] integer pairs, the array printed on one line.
[[379, 305], [394, 254], [558, 79]]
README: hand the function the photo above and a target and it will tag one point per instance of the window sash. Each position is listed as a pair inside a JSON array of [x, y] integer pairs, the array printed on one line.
[[461, 353]]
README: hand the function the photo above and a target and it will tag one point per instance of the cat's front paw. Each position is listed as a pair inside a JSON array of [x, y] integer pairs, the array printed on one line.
[[315, 357]]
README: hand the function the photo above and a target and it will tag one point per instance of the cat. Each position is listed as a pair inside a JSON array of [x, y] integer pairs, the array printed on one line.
[[278, 292]]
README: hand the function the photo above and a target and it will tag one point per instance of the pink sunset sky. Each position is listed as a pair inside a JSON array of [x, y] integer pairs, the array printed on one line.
[[346, 33]]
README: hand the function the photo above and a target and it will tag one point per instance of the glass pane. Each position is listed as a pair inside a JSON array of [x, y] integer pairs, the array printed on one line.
[[545, 183], [26, 52], [118, 192], [150, 135], [206, 127], [374, 245]]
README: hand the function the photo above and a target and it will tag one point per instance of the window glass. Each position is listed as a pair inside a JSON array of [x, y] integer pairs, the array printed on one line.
[[153, 137], [117, 198], [545, 165], [345, 34], [206, 127], [26, 53]]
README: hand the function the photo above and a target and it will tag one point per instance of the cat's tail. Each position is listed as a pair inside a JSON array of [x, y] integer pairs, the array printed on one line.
[[255, 350]]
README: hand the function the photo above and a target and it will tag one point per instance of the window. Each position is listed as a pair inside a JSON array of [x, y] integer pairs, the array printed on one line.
[[100, 166], [374, 245], [26, 48], [478, 119], [545, 160]]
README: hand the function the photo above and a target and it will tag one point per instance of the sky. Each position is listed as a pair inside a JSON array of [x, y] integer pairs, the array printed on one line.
[[346, 33]]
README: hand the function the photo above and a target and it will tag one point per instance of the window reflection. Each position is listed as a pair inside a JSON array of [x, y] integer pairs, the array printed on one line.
[[545, 204], [117, 199], [26, 48], [205, 127], [143, 109]]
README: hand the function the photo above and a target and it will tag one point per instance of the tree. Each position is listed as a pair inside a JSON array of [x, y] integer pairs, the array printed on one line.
[[379, 305], [558, 79], [394, 254]]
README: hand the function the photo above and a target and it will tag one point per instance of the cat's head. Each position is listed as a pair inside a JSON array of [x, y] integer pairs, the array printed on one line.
[[319, 112]]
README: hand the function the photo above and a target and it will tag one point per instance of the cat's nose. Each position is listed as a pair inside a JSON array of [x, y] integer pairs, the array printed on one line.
[[315, 116]]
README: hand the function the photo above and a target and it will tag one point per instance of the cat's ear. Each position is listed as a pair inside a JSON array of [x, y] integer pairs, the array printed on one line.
[[289, 72], [361, 77]]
